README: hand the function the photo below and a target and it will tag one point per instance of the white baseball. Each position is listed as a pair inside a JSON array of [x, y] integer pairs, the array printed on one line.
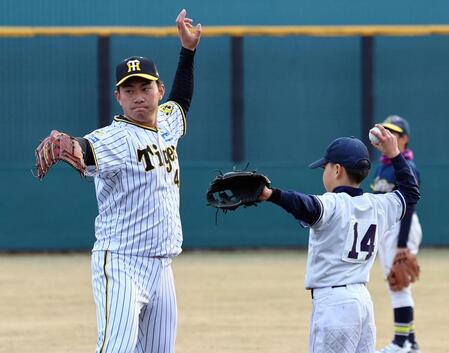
[[373, 138]]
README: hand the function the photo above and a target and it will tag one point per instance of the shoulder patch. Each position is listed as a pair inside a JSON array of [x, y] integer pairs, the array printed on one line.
[[166, 108]]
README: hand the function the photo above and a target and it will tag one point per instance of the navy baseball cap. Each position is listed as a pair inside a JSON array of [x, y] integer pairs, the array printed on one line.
[[397, 124], [136, 66], [350, 152]]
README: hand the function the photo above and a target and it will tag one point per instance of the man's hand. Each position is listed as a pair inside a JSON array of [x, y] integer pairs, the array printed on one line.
[[190, 37], [387, 144]]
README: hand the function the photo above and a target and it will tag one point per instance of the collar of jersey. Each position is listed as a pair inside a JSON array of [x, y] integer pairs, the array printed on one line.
[[124, 119], [349, 190]]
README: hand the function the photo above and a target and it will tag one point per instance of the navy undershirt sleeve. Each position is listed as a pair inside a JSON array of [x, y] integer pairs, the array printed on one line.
[[406, 181], [303, 207], [182, 88], [404, 230], [87, 151]]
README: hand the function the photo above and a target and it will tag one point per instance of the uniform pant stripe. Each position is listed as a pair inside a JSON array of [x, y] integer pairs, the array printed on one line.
[[105, 264], [136, 308]]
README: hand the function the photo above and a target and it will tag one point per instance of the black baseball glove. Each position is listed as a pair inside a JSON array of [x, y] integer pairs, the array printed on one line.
[[231, 190]]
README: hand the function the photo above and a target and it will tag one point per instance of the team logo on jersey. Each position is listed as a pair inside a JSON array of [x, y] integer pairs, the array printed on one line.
[[133, 65], [165, 157], [166, 108], [151, 158]]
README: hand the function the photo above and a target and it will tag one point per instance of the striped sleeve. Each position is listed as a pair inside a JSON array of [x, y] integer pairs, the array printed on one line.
[[109, 147], [171, 118]]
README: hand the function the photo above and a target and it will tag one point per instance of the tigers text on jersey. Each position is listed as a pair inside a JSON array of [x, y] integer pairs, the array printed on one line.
[[137, 185], [344, 240]]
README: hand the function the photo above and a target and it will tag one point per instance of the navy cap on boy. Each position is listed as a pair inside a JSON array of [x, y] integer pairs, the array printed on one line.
[[350, 152]]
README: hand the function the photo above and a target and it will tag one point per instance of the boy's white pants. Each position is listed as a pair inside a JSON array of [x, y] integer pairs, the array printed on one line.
[[342, 320]]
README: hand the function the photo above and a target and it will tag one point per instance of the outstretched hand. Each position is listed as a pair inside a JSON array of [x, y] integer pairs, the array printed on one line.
[[266, 193], [190, 36], [388, 144]]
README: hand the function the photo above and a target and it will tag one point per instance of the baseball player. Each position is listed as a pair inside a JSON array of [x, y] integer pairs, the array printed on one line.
[[402, 237], [138, 229], [345, 227]]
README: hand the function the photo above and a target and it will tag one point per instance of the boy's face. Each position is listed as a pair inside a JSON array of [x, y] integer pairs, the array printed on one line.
[[330, 176]]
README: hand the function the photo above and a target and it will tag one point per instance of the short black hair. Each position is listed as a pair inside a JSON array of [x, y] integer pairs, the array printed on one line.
[[357, 175]]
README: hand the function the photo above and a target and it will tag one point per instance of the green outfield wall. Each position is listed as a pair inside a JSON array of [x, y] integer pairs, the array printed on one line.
[[299, 94]]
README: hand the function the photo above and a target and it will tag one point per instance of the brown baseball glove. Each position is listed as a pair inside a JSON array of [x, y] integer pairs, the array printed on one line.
[[405, 270], [59, 147]]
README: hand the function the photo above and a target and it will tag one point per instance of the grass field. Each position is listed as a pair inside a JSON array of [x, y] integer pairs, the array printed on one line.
[[229, 302]]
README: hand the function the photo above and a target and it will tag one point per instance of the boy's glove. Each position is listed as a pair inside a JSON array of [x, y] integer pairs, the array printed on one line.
[[234, 189]]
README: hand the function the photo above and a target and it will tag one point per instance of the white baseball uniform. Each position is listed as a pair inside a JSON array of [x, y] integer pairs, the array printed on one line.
[[387, 252], [343, 243], [385, 181], [138, 231]]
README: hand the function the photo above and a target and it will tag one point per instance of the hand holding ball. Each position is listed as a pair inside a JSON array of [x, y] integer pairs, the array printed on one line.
[[373, 138]]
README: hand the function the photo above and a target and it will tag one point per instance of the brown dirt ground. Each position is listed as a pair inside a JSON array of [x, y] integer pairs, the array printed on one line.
[[229, 302]]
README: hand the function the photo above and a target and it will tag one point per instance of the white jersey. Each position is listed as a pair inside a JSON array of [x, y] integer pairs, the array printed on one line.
[[344, 240], [137, 185]]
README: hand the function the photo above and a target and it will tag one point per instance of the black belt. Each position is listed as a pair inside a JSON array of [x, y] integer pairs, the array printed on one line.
[[339, 286]]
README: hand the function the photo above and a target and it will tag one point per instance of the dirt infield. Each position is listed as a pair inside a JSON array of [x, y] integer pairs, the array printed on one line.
[[229, 302]]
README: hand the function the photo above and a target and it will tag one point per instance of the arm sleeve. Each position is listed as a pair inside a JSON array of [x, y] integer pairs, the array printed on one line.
[[172, 121], [109, 149], [88, 154], [182, 88], [305, 208], [405, 227], [406, 181]]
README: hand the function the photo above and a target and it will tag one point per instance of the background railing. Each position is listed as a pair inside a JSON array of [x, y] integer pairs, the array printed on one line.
[[271, 95]]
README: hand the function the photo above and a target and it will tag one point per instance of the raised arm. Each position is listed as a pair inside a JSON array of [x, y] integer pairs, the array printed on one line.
[[182, 88], [405, 179]]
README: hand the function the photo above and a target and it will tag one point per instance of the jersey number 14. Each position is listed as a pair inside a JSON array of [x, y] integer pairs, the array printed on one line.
[[360, 243]]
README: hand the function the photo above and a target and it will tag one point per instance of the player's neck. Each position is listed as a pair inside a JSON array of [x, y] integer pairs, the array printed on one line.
[[345, 182], [149, 121]]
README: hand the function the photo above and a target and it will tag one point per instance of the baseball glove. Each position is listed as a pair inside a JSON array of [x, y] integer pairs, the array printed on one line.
[[405, 270], [59, 147], [231, 190]]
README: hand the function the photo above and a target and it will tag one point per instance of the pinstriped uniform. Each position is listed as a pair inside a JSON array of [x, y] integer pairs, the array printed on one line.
[[138, 231]]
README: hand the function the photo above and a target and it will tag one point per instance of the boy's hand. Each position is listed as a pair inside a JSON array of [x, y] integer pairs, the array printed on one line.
[[266, 193], [388, 144]]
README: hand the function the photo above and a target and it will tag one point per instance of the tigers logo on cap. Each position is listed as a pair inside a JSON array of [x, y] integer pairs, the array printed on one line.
[[136, 66], [133, 65]]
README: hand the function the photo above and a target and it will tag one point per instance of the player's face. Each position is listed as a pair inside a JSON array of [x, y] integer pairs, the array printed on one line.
[[329, 176], [139, 99]]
